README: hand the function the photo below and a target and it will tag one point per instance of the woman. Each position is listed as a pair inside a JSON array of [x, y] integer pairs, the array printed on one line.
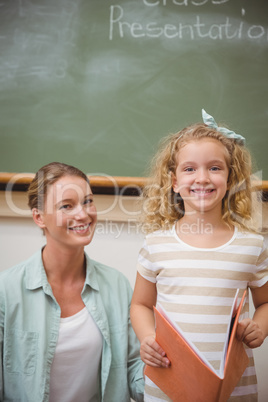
[[65, 332]]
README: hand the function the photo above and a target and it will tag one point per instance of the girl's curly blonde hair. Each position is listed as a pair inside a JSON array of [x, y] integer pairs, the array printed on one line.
[[162, 206]]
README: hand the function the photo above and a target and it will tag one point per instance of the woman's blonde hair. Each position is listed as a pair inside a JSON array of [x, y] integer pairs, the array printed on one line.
[[162, 206], [45, 177]]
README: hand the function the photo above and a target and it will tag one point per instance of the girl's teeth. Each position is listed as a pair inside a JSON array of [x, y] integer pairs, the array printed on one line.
[[202, 191]]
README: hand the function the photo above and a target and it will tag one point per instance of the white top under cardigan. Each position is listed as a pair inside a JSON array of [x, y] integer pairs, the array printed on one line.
[[79, 343]]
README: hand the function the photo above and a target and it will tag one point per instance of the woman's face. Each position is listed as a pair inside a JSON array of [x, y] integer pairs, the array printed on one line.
[[69, 217]]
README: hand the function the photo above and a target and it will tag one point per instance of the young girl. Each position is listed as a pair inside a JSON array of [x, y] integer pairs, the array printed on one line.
[[202, 247], [65, 332]]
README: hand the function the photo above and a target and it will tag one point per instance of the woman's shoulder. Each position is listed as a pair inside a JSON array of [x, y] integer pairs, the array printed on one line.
[[14, 280], [112, 284], [20, 267], [107, 273]]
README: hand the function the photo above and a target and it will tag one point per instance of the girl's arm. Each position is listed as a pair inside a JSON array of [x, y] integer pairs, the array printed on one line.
[[142, 319], [253, 331]]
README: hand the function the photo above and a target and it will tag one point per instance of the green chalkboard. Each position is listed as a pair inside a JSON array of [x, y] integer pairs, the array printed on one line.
[[97, 83]]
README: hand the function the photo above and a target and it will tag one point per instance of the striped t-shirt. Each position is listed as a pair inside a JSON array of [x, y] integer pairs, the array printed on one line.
[[196, 286]]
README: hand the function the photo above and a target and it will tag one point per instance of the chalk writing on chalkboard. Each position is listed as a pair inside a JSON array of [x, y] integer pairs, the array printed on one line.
[[226, 28]]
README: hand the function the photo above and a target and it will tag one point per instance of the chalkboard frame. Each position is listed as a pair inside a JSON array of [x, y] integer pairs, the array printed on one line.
[[119, 185]]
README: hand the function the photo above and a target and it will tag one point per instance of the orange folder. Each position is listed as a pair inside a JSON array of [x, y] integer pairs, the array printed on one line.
[[190, 376]]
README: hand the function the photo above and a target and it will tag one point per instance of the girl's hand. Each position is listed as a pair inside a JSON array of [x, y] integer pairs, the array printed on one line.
[[152, 354], [250, 333]]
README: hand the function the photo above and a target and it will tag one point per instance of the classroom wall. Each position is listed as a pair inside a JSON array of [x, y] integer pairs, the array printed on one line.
[[115, 243]]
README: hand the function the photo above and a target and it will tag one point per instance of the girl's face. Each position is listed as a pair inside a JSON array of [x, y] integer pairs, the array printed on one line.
[[69, 217], [201, 175]]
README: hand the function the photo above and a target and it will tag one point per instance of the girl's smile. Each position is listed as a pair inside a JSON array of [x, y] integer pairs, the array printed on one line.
[[202, 191]]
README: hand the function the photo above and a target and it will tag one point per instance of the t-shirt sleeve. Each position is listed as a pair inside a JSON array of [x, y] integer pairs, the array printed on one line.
[[145, 266], [260, 276]]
